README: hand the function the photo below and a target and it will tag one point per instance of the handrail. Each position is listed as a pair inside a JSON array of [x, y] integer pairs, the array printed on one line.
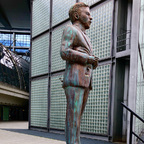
[[132, 113]]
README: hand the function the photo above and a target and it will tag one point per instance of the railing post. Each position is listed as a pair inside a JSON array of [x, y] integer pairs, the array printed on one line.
[[131, 127]]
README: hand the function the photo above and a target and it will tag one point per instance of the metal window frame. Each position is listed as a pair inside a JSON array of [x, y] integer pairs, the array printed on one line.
[[14, 33]]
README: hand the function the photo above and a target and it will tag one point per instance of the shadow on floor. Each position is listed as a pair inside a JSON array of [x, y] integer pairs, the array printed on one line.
[[55, 136]]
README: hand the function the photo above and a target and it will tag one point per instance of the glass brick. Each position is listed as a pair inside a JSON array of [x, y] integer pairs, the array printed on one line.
[[39, 102], [90, 2], [101, 29], [40, 16], [61, 9], [58, 103], [95, 117], [40, 48], [57, 62]]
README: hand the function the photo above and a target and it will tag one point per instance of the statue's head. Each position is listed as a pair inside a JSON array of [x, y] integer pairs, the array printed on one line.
[[80, 12]]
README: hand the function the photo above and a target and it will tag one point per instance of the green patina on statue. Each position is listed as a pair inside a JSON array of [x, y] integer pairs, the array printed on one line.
[[76, 50]]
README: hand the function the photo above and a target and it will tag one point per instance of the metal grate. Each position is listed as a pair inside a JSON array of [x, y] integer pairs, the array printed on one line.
[[39, 92], [40, 48], [40, 16]]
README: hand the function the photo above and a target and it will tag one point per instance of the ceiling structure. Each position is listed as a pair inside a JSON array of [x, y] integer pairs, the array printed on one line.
[[15, 14]]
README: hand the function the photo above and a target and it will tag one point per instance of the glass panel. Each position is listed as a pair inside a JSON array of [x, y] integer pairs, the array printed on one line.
[[95, 117], [21, 50], [90, 2], [57, 62], [40, 16], [39, 102], [6, 39], [40, 48], [101, 29], [58, 103], [61, 9], [22, 40]]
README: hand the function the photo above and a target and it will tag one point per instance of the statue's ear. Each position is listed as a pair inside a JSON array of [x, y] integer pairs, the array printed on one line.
[[76, 15]]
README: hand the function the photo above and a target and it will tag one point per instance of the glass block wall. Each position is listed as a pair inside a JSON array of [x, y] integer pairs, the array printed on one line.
[[139, 126], [101, 29], [40, 16], [56, 61], [95, 118], [90, 2], [58, 103], [40, 63], [39, 100], [39, 58], [60, 10]]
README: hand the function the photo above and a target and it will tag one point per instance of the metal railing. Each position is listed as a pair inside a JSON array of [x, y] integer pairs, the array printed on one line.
[[123, 40], [132, 113]]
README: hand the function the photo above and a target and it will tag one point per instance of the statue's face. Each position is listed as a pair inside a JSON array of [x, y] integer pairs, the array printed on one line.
[[85, 17]]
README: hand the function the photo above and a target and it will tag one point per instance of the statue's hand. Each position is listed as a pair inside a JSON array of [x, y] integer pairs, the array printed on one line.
[[95, 64], [93, 60]]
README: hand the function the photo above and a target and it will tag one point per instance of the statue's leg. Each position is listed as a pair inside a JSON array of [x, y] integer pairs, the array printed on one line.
[[86, 93], [74, 97]]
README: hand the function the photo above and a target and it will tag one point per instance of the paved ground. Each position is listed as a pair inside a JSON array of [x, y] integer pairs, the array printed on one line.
[[18, 133]]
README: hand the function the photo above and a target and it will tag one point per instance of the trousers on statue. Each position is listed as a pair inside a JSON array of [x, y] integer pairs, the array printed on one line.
[[76, 101]]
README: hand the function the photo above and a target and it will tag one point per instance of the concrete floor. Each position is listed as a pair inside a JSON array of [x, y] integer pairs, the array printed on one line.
[[9, 135], [18, 133]]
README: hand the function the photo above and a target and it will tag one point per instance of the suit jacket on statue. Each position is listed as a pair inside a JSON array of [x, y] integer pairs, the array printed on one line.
[[76, 49]]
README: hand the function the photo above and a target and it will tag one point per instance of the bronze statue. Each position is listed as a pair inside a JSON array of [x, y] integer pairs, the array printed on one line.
[[77, 51]]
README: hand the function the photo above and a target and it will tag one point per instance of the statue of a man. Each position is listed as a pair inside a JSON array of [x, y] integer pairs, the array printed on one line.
[[77, 51]]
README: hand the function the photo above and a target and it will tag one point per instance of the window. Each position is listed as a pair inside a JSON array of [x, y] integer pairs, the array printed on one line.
[[22, 40]]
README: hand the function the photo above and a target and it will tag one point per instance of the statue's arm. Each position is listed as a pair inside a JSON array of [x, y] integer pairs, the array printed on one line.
[[67, 51]]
